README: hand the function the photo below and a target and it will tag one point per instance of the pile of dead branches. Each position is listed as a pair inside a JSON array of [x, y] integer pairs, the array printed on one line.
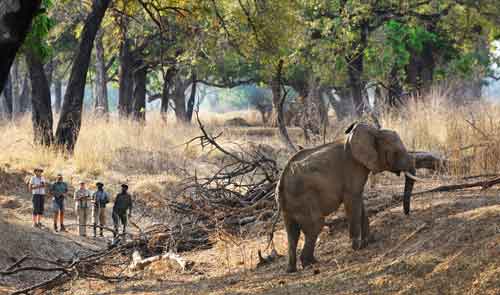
[[239, 193]]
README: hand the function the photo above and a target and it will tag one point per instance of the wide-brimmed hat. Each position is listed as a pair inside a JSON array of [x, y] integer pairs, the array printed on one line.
[[38, 169], [99, 183], [82, 182], [124, 185]]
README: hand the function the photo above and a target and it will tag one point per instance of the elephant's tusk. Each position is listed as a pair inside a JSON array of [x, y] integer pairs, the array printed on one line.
[[409, 175]]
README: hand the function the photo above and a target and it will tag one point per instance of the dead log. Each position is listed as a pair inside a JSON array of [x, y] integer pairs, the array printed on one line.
[[429, 160]]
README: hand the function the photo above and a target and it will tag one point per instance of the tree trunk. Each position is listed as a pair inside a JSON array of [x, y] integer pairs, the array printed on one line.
[[395, 90], [49, 72], [24, 96], [139, 102], [354, 71], [180, 99], [102, 104], [41, 103], [355, 68], [8, 94], [276, 92], [192, 98], [126, 88], [58, 95], [165, 94], [15, 22], [71, 114]]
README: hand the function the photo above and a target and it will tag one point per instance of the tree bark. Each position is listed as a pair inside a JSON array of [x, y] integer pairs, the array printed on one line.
[[15, 22], [139, 102], [355, 68], [8, 94], [71, 114], [41, 114], [180, 99], [24, 99], [354, 71], [126, 88], [276, 92], [58, 95], [165, 94], [102, 104], [192, 98]]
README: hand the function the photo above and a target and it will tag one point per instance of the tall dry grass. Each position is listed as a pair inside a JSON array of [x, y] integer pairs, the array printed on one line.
[[468, 135]]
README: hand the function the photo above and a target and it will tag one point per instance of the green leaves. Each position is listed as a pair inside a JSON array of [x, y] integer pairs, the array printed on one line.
[[41, 26]]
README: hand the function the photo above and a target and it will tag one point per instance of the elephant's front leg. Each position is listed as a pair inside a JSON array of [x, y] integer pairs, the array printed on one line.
[[365, 226], [354, 210]]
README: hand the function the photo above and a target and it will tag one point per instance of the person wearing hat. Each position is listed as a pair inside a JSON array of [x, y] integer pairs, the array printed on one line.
[[123, 203], [99, 201], [81, 197], [37, 187], [59, 189]]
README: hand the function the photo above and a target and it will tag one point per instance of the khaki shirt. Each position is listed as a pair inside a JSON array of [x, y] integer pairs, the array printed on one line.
[[81, 198]]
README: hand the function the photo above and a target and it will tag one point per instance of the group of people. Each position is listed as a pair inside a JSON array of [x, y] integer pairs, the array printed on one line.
[[84, 200]]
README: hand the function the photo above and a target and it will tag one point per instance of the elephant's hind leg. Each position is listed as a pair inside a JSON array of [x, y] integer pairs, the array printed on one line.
[[293, 233], [311, 233]]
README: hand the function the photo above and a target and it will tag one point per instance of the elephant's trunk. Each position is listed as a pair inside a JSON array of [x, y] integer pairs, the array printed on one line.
[[409, 181]]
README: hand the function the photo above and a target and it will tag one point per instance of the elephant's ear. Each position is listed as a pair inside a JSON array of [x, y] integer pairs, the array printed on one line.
[[362, 144]]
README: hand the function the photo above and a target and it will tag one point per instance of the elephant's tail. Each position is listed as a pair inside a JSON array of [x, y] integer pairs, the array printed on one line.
[[276, 217]]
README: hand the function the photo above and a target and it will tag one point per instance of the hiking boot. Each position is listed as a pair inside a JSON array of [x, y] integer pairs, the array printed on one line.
[[39, 225], [55, 228], [62, 228]]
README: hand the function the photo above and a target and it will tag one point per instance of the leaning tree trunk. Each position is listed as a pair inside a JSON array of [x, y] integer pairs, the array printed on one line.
[[126, 83], [101, 105], [139, 101], [276, 92], [41, 103], [15, 21], [71, 114], [192, 98]]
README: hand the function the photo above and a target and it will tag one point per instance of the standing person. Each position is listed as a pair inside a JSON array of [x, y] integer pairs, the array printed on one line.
[[59, 189], [123, 203], [81, 197], [37, 186], [99, 201]]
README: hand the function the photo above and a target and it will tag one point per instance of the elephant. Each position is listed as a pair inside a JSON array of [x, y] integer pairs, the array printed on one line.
[[316, 181]]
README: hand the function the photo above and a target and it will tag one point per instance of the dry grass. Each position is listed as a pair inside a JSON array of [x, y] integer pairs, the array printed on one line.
[[430, 124]]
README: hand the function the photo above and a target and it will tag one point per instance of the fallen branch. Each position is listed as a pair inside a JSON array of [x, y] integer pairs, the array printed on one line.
[[174, 260], [484, 184]]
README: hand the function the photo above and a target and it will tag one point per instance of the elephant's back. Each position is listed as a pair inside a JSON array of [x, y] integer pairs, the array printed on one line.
[[303, 165]]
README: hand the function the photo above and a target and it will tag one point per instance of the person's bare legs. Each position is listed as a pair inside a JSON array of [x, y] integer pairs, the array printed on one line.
[[61, 220], [33, 218], [56, 215]]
